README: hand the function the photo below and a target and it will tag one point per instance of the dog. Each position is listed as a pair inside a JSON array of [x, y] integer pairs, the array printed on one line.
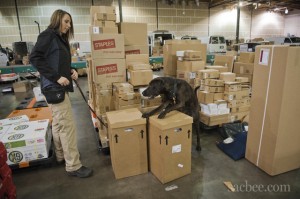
[[176, 94]]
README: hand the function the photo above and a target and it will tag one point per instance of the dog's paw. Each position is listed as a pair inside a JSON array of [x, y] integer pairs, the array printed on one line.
[[161, 116]]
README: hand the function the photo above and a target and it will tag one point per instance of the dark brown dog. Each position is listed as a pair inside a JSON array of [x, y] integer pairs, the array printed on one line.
[[176, 94]]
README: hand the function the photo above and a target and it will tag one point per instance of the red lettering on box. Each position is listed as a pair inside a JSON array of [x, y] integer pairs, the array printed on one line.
[[105, 69], [129, 52], [104, 44]]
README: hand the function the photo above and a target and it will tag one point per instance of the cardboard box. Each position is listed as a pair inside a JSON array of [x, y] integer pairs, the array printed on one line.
[[214, 89], [140, 77], [247, 57], [233, 86], [33, 113], [238, 116], [186, 75], [105, 16], [103, 30], [170, 144], [172, 46], [213, 120], [214, 82], [21, 86], [27, 141], [107, 46], [122, 88], [192, 55], [208, 74], [128, 142], [224, 60], [221, 69], [104, 101], [136, 49], [273, 137], [109, 70], [102, 9], [191, 66], [249, 76], [102, 24], [243, 68], [134, 33], [227, 76], [132, 59], [12, 120], [139, 67], [236, 95]]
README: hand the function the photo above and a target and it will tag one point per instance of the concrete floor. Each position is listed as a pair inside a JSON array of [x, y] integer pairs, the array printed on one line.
[[210, 168]]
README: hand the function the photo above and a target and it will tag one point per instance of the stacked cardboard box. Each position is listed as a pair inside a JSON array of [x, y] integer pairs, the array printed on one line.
[[188, 63], [139, 69], [222, 99], [172, 46], [273, 137], [211, 91], [125, 97], [245, 65], [136, 37]]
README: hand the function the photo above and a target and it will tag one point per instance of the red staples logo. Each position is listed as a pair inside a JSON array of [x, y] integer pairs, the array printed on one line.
[[104, 44], [129, 52], [105, 69]]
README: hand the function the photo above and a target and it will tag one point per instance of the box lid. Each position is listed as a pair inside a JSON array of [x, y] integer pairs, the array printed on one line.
[[172, 119], [123, 118]]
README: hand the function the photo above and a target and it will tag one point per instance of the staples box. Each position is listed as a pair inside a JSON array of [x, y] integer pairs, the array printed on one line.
[[136, 49], [27, 141], [170, 144], [128, 142], [109, 70], [107, 46]]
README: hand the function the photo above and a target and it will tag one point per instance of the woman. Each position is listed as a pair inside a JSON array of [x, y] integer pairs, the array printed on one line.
[[52, 57]]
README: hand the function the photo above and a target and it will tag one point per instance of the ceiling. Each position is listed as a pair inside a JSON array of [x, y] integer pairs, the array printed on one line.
[[267, 5]]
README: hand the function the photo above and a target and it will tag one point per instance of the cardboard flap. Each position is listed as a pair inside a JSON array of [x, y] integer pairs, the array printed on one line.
[[172, 119], [123, 118]]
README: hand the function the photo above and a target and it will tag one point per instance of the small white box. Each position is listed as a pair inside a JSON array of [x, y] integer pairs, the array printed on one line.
[[12, 120], [27, 141]]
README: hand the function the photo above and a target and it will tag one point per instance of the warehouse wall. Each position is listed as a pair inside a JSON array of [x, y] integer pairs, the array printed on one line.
[[292, 24], [187, 20]]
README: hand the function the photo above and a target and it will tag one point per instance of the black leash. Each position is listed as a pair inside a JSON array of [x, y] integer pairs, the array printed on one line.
[[101, 121]]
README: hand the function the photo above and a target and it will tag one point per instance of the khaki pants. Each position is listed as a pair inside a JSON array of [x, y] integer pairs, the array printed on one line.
[[64, 134]]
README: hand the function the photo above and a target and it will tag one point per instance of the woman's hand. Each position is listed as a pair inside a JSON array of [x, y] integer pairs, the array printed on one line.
[[63, 81], [74, 74]]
